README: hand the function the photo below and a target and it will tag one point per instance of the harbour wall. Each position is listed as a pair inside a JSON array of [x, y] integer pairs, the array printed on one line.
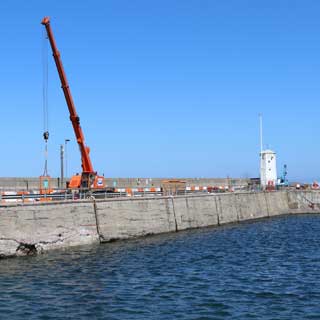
[[34, 228]]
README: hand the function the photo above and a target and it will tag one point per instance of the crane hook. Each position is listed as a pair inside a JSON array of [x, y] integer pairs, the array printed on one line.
[[46, 135]]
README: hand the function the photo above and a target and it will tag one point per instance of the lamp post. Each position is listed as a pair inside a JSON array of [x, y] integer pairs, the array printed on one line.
[[66, 156], [61, 165]]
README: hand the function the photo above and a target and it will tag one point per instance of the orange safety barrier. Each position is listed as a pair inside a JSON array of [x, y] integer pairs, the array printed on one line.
[[22, 193], [17, 200]]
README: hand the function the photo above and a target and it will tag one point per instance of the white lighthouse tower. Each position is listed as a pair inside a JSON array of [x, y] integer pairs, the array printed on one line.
[[268, 169], [268, 165]]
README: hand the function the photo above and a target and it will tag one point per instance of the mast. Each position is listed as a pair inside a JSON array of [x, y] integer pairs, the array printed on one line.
[[261, 144]]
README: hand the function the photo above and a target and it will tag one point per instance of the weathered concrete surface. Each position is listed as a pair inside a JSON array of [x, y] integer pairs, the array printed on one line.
[[277, 203], [227, 208], [195, 212], [133, 217], [249, 209], [33, 228], [304, 201], [127, 218]]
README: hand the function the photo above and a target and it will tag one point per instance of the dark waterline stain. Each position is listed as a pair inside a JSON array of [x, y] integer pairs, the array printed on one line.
[[268, 269]]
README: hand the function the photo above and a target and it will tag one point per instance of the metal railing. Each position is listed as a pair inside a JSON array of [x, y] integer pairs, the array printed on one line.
[[68, 195]]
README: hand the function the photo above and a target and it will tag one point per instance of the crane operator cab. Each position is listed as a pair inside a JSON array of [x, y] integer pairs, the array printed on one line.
[[87, 181]]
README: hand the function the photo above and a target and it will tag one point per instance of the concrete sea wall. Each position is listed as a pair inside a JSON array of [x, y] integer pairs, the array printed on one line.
[[34, 228]]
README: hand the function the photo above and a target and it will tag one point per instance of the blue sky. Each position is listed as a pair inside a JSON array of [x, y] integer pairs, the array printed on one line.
[[164, 88]]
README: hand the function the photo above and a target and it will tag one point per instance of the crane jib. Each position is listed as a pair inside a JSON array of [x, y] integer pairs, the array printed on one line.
[[89, 175]]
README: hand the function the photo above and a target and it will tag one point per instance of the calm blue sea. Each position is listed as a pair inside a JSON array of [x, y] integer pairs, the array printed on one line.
[[269, 269]]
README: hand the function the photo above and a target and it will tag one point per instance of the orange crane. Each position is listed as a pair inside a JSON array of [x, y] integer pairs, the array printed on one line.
[[89, 178]]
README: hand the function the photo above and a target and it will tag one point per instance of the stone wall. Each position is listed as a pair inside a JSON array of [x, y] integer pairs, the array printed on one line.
[[32, 228]]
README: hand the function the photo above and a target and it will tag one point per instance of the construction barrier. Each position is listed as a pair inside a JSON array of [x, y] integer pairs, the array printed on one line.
[[15, 197], [60, 195]]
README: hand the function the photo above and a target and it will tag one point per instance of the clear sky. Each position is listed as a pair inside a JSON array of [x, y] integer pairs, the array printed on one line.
[[164, 88]]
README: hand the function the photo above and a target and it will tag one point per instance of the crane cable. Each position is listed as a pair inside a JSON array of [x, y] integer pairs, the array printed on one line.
[[45, 99]]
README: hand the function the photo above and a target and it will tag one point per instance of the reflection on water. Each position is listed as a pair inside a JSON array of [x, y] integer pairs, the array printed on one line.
[[262, 270]]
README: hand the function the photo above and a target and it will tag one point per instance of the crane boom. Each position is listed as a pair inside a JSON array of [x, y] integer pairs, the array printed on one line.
[[88, 174]]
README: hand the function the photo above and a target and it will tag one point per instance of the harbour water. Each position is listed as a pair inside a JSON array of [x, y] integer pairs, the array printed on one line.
[[267, 269]]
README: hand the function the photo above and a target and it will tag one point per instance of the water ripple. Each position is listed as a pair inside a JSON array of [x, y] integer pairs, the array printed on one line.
[[262, 270]]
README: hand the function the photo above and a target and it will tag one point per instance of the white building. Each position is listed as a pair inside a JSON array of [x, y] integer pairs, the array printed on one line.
[[268, 168]]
